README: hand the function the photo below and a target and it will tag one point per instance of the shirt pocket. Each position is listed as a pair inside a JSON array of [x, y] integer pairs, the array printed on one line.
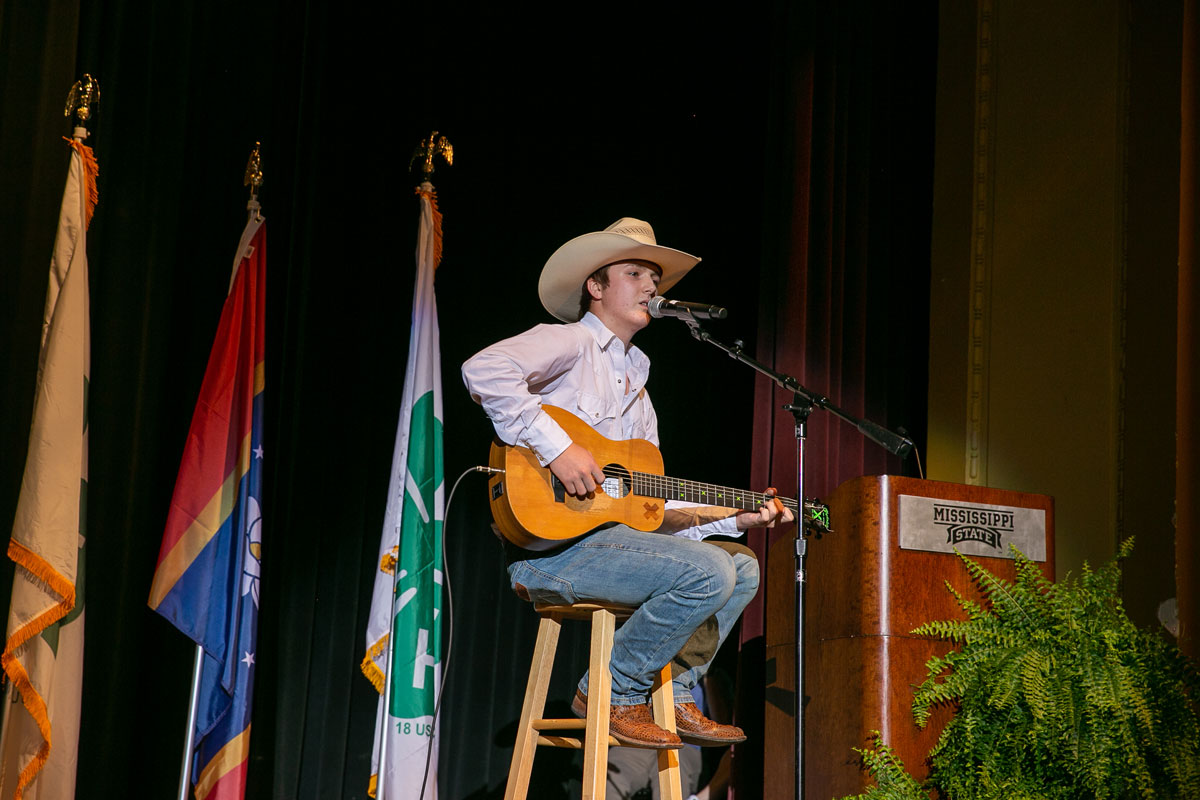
[[642, 428], [596, 410]]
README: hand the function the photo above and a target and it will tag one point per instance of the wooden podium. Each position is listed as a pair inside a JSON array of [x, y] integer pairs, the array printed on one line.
[[866, 593]]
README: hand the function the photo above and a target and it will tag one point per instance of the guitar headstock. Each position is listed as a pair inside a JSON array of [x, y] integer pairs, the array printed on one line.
[[816, 517]]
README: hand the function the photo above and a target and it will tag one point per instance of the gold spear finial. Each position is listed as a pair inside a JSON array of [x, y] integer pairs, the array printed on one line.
[[253, 176], [83, 95], [432, 146]]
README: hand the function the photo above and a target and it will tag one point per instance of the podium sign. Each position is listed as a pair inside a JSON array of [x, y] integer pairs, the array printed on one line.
[[880, 574], [973, 529]]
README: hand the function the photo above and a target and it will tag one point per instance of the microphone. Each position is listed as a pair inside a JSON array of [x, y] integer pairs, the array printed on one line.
[[662, 307]]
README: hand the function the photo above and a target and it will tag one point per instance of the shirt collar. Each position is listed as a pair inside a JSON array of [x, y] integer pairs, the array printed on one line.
[[606, 338], [600, 332]]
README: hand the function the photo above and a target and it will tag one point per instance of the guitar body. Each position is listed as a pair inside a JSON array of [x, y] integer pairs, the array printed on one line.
[[532, 510]]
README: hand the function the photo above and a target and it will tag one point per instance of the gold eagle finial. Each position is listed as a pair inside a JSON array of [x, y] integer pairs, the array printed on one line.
[[432, 146], [83, 95], [253, 176]]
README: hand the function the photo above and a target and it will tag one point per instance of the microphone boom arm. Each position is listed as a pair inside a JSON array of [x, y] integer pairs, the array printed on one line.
[[805, 401]]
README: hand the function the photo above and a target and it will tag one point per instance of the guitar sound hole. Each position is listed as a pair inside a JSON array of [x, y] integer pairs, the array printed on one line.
[[616, 481]]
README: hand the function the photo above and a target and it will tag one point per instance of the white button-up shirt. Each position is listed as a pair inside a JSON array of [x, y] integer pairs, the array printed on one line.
[[582, 367]]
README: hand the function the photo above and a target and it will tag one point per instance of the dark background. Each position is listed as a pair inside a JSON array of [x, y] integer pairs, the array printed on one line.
[[788, 144]]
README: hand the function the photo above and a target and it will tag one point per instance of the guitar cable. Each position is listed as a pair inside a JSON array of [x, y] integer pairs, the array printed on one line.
[[437, 703]]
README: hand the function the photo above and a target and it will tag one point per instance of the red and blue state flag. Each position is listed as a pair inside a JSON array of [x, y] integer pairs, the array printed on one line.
[[207, 579]]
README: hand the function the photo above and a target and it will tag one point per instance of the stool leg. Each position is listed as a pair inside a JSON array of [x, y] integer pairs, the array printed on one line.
[[670, 786], [532, 708], [595, 754]]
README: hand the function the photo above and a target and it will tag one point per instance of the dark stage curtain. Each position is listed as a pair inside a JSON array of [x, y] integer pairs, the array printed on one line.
[[845, 285], [786, 144]]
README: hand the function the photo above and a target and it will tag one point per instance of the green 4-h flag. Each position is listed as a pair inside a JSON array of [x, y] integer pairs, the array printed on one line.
[[408, 583]]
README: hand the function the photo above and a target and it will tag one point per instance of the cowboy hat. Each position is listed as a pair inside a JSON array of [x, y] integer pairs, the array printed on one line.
[[626, 239]]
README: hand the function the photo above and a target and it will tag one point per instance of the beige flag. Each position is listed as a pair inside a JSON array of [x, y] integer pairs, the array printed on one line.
[[43, 649]]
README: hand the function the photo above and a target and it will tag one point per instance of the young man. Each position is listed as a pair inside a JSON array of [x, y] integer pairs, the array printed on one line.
[[688, 592]]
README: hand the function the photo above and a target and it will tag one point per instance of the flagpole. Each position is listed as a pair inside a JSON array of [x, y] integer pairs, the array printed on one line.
[[423, 155], [185, 773]]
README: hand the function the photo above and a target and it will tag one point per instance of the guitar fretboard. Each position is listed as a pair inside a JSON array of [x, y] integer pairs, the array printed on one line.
[[709, 494]]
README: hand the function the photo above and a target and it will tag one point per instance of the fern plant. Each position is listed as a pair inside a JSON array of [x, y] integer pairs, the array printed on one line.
[[1058, 695], [892, 781]]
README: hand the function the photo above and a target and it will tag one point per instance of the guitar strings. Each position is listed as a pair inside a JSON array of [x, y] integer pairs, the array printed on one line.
[[653, 485]]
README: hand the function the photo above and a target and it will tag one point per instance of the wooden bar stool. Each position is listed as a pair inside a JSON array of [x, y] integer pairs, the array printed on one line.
[[533, 730]]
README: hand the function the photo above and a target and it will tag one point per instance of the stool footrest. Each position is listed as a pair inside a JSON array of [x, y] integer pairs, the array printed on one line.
[[570, 741], [558, 724]]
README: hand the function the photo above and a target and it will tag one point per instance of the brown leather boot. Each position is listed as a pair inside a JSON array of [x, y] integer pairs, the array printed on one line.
[[632, 726], [695, 728]]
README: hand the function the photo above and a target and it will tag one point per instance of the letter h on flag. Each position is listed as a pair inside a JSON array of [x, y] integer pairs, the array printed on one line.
[[207, 579]]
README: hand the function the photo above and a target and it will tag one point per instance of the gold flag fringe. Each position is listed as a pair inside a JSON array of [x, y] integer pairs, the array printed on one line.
[[34, 703], [90, 170], [388, 562], [370, 668], [437, 221]]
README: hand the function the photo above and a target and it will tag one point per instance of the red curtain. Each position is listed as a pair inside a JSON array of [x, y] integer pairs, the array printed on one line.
[[844, 308]]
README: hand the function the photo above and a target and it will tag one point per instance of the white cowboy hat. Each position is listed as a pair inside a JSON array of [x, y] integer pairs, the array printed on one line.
[[626, 239]]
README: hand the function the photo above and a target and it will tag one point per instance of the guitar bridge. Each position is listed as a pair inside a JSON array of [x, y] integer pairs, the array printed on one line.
[[616, 484]]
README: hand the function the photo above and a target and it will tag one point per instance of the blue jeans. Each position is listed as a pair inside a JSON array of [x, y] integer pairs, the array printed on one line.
[[677, 584]]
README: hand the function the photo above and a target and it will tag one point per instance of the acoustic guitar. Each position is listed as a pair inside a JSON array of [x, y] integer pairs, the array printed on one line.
[[533, 510]]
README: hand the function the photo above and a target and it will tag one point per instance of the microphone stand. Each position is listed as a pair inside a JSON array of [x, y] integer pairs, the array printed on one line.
[[802, 405]]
